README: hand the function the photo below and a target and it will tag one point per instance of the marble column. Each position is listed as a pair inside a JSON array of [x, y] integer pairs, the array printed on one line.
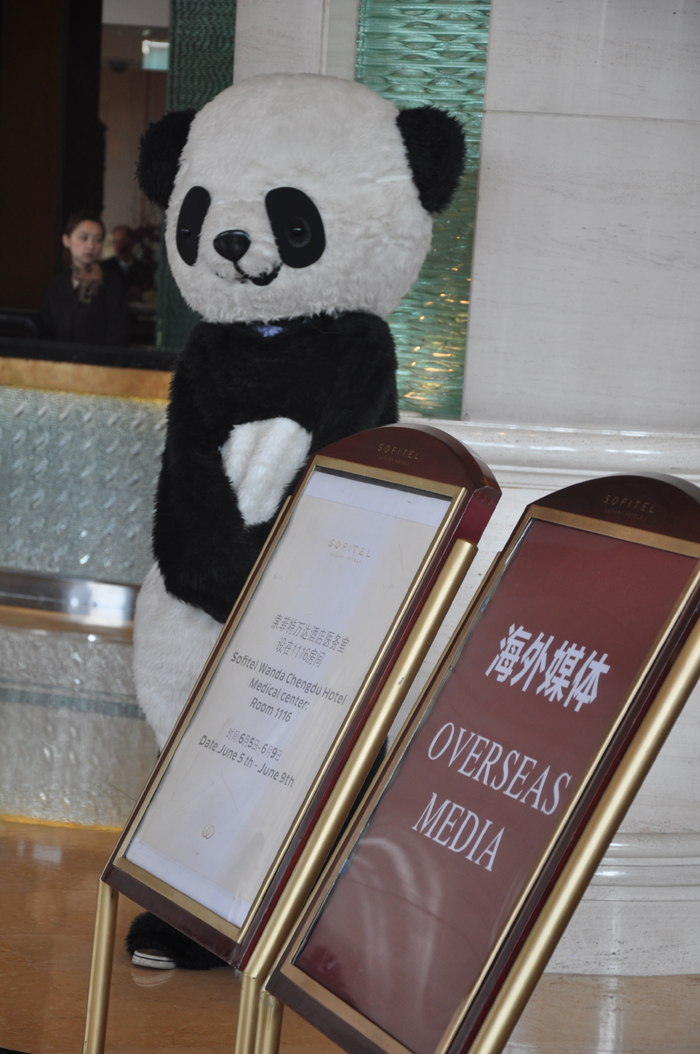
[[583, 357], [295, 36]]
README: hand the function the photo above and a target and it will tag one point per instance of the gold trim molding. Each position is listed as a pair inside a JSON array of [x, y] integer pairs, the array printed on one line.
[[83, 379]]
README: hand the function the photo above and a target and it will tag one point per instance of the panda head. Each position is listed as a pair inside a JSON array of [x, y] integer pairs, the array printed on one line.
[[290, 195]]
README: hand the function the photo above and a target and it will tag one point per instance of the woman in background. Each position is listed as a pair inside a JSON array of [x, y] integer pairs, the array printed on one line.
[[84, 304]]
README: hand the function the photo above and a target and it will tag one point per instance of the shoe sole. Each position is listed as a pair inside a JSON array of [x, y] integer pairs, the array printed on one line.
[[153, 960]]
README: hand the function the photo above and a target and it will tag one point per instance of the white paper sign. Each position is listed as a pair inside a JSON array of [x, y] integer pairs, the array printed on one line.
[[283, 687]]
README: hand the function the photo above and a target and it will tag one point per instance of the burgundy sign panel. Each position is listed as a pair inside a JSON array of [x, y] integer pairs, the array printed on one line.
[[423, 900]]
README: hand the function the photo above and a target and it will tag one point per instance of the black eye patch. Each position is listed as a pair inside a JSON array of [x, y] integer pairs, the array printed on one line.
[[297, 226], [189, 223]]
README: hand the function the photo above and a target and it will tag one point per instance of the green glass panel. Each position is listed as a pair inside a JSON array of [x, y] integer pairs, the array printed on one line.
[[433, 53], [201, 65]]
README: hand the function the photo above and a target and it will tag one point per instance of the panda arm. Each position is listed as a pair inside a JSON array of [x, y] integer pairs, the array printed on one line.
[[200, 541], [364, 394]]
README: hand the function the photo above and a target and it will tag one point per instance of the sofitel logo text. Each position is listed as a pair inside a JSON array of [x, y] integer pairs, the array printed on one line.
[[396, 453], [628, 504], [351, 548]]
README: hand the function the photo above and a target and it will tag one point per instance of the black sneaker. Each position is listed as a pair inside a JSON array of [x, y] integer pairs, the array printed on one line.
[[154, 944]]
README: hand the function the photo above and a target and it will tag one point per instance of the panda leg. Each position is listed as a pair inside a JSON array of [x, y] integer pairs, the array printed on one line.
[[172, 641]]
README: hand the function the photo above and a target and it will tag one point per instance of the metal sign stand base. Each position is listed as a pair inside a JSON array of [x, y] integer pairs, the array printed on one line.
[[101, 969], [270, 1011]]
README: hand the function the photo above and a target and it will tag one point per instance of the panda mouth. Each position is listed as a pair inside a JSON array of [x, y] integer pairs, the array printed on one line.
[[257, 279]]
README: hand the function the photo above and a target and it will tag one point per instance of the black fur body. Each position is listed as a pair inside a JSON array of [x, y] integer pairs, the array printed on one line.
[[333, 375]]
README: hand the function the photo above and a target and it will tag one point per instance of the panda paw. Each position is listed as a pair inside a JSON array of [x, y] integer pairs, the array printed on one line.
[[156, 945]]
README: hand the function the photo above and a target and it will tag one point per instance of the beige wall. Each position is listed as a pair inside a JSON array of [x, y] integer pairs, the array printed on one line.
[[128, 101]]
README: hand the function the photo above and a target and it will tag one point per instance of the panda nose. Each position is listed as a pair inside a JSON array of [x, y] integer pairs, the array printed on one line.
[[232, 244]]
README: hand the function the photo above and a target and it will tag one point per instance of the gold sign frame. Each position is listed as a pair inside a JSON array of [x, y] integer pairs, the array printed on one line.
[[483, 1021], [388, 455], [119, 862]]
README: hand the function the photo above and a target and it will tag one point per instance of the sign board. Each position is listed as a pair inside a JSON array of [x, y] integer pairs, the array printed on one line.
[[302, 660], [447, 895]]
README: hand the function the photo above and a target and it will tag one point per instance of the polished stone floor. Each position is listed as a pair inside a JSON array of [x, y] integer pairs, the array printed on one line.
[[48, 880]]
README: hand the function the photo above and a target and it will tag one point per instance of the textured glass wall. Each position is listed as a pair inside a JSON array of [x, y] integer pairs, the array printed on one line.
[[74, 747], [77, 477], [417, 53], [201, 65]]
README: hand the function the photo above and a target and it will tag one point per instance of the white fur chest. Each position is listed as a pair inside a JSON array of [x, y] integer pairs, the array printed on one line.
[[260, 459]]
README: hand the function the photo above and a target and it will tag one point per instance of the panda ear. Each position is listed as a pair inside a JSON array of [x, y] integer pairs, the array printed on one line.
[[161, 146], [434, 143]]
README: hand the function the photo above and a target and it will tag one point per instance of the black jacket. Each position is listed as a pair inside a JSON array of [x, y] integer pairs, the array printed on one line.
[[102, 321], [137, 274]]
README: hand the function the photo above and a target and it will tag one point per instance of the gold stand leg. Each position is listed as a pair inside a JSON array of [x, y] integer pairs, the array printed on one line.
[[101, 970], [251, 985], [267, 1038]]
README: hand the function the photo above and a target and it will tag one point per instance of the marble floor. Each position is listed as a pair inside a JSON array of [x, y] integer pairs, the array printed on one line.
[[48, 881], [74, 754]]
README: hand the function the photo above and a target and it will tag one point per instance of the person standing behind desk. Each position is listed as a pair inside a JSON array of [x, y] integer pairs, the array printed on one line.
[[84, 304], [133, 273]]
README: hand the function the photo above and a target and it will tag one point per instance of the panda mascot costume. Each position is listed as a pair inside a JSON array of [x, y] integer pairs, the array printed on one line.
[[297, 217]]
